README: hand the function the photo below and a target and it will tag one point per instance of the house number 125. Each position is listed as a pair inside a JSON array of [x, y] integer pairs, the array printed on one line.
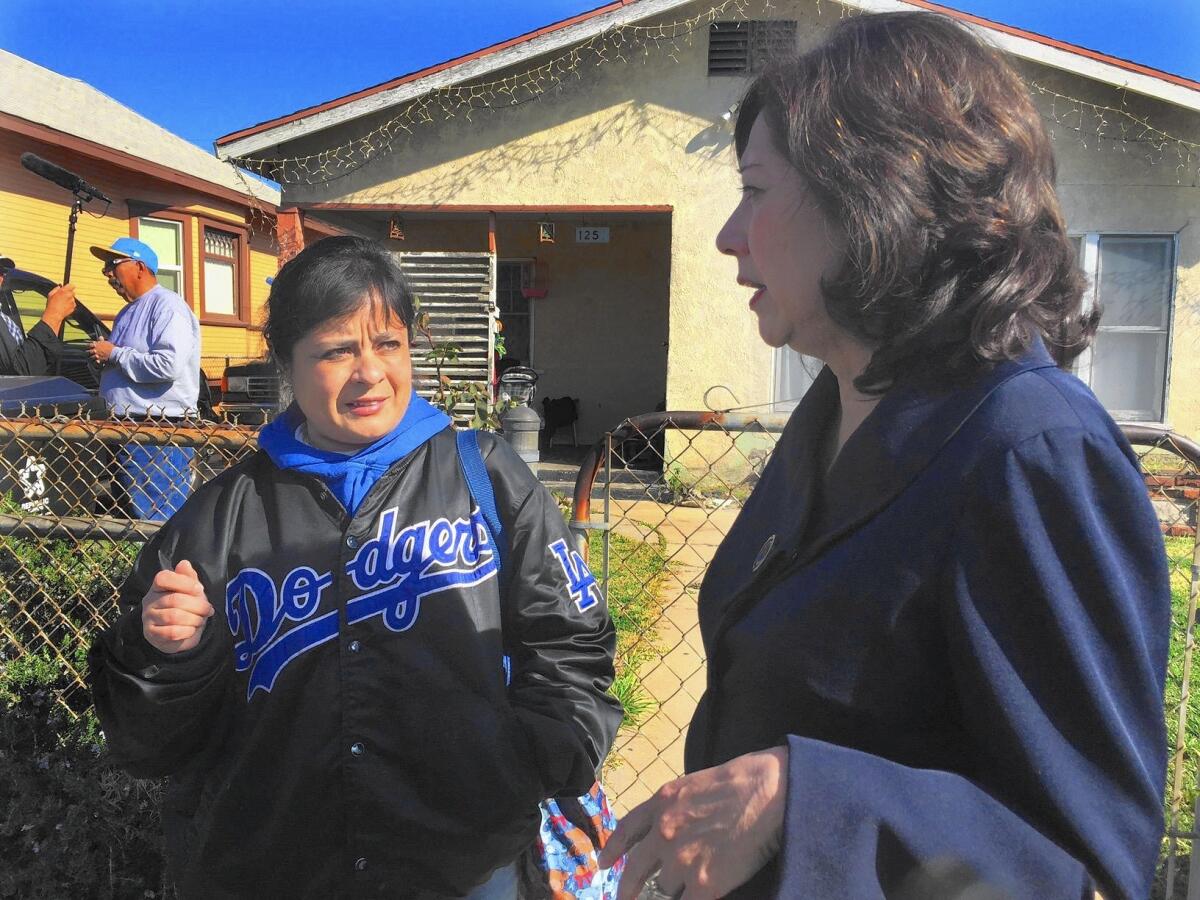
[[591, 235]]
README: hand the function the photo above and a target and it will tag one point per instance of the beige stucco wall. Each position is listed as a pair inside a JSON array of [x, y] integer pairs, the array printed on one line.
[[649, 131], [636, 133], [1109, 187]]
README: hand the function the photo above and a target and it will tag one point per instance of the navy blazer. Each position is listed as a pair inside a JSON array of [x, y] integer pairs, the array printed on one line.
[[961, 634]]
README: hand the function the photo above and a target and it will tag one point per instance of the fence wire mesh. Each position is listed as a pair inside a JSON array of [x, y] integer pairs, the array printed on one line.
[[78, 498], [652, 506], [662, 492]]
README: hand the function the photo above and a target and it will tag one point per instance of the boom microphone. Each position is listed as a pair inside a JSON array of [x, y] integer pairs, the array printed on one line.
[[60, 176]]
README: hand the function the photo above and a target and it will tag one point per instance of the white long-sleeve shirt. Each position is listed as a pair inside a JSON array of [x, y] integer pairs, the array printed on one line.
[[155, 366]]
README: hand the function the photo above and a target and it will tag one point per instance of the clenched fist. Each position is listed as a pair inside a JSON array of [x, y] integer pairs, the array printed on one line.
[[60, 304], [175, 610]]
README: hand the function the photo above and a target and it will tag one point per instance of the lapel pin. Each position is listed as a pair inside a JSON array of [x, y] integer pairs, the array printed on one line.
[[763, 552]]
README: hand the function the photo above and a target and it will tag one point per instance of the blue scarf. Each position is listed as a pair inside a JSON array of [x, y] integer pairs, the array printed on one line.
[[350, 477]]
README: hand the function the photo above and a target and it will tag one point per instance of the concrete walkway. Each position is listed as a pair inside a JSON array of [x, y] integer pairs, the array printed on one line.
[[674, 677]]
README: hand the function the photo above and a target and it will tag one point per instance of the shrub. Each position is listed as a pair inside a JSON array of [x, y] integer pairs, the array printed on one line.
[[71, 825]]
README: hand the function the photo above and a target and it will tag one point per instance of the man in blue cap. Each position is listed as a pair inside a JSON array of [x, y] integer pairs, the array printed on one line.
[[151, 370]]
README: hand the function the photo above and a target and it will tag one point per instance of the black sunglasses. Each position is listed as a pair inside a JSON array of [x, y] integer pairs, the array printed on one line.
[[111, 266]]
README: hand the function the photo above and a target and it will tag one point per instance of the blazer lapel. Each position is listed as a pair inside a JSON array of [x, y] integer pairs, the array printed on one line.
[[900, 438], [897, 441], [763, 531]]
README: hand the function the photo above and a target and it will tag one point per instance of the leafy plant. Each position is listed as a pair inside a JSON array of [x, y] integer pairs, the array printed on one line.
[[449, 395], [71, 825], [637, 570]]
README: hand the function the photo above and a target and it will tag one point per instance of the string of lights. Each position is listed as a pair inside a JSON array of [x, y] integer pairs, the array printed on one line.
[[623, 43], [1092, 123]]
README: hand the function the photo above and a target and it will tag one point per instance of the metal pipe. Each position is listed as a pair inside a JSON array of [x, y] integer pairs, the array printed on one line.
[[1137, 433], [77, 528], [79, 431], [649, 424], [607, 542]]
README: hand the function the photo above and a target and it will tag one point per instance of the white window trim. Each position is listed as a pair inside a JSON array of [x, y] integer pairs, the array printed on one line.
[[1090, 264], [178, 226], [787, 404], [522, 260]]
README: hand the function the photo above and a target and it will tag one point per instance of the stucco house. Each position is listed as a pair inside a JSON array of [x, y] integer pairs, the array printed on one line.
[[211, 226], [585, 170]]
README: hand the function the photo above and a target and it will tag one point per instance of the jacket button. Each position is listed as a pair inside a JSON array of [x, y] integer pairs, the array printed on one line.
[[354, 646], [360, 864], [351, 541], [357, 749]]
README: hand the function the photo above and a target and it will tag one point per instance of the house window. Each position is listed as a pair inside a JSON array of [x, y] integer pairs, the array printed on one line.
[[1132, 277], [220, 273], [165, 238], [794, 375], [516, 312], [739, 48]]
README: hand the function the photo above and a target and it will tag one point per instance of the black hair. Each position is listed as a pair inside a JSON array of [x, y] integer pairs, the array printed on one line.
[[923, 145], [329, 281]]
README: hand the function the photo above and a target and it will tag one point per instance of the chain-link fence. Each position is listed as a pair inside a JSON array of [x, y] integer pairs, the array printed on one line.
[[668, 486], [1172, 470], [78, 498], [661, 492]]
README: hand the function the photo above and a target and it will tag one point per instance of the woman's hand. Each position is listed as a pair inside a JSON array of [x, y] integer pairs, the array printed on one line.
[[175, 610], [706, 833]]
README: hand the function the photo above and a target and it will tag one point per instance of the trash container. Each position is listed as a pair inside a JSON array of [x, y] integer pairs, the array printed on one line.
[[40, 475], [521, 425]]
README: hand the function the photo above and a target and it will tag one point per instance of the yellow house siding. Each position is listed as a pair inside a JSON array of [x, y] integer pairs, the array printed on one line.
[[33, 231], [264, 263]]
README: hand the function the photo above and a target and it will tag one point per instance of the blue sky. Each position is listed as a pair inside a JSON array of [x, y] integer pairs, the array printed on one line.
[[203, 68]]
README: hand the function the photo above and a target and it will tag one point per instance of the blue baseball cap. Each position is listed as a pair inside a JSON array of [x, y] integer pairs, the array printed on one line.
[[128, 248]]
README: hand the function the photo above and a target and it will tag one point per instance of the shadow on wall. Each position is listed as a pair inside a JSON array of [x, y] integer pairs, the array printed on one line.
[[713, 141], [493, 149]]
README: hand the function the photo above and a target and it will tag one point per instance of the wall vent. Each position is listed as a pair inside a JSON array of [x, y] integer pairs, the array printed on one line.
[[743, 47]]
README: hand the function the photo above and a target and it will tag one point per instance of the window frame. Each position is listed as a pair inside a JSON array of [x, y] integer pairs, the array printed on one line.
[[523, 262], [780, 404], [1089, 263], [137, 212], [241, 273]]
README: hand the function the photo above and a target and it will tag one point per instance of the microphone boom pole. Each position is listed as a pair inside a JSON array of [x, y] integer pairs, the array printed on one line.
[[84, 193]]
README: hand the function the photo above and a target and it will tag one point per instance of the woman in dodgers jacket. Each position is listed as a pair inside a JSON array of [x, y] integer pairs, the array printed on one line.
[[312, 647], [937, 633]]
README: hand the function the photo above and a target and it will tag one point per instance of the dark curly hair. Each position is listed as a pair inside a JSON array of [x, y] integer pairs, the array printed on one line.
[[922, 143], [328, 281]]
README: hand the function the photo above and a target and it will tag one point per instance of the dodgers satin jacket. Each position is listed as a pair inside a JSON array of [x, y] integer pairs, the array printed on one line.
[[344, 728], [961, 635]]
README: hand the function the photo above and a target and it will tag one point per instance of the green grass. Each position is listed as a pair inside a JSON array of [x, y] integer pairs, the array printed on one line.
[[1179, 553], [636, 569], [1163, 462]]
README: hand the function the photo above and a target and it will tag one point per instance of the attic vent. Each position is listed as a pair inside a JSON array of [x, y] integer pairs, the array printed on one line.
[[737, 48]]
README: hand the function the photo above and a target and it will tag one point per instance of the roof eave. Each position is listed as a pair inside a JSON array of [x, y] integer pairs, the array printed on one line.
[[490, 59], [47, 134], [1059, 55], [1021, 44]]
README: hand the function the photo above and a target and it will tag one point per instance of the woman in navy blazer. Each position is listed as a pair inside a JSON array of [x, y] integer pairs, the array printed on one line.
[[937, 633]]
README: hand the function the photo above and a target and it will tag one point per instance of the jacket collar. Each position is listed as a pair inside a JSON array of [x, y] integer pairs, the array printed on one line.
[[895, 443]]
